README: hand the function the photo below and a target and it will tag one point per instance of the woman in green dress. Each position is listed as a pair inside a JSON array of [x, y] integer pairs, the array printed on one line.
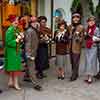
[[13, 64]]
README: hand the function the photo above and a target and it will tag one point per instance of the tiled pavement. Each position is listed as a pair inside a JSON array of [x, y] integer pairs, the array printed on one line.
[[54, 89]]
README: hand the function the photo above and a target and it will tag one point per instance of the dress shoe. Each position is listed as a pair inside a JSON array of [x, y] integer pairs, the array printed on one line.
[[74, 78], [40, 76], [88, 82], [27, 79], [62, 78], [38, 87], [97, 76], [59, 77], [0, 91], [46, 67], [17, 88]]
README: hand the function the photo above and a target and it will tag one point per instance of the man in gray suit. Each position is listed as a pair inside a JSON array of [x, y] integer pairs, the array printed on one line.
[[31, 45]]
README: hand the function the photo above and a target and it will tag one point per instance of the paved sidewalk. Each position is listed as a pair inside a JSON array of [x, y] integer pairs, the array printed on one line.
[[54, 89]]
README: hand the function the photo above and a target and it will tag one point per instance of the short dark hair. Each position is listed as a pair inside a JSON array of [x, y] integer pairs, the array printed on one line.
[[62, 22], [42, 18]]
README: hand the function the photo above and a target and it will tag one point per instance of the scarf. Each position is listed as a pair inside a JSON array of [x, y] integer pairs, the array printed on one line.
[[45, 30], [90, 32]]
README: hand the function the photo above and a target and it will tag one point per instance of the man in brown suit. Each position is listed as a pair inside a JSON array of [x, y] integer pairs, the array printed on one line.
[[76, 39]]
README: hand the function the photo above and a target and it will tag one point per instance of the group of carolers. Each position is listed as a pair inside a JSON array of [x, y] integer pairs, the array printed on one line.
[[68, 39]]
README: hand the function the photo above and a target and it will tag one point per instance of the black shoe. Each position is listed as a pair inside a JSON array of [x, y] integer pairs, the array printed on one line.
[[44, 76], [40, 76], [97, 76], [0, 91], [74, 78], [23, 70], [59, 77], [88, 82], [38, 87], [46, 67], [62, 78], [27, 79]]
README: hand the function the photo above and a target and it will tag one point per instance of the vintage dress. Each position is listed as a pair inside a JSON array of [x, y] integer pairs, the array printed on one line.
[[91, 57], [12, 51], [62, 40]]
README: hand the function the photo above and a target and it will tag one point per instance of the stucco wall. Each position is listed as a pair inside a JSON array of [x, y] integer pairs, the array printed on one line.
[[41, 7], [48, 11], [66, 5], [45, 8]]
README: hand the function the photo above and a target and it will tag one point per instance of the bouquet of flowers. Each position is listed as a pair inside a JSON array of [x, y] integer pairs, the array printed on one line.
[[19, 37]]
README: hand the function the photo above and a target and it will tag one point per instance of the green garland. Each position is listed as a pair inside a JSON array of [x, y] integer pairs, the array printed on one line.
[[91, 7], [76, 6], [98, 9]]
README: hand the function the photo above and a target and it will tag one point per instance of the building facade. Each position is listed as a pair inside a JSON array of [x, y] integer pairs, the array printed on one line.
[[14, 7], [61, 8]]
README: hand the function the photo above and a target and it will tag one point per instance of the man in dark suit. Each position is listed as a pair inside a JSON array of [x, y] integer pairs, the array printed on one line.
[[41, 60]]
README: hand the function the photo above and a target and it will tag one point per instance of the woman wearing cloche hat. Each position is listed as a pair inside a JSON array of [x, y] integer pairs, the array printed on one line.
[[13, 40]]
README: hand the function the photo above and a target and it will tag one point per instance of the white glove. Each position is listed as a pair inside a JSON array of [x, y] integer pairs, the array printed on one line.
[[95, 38], [19, 37], [31, 58], [22, 34]]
